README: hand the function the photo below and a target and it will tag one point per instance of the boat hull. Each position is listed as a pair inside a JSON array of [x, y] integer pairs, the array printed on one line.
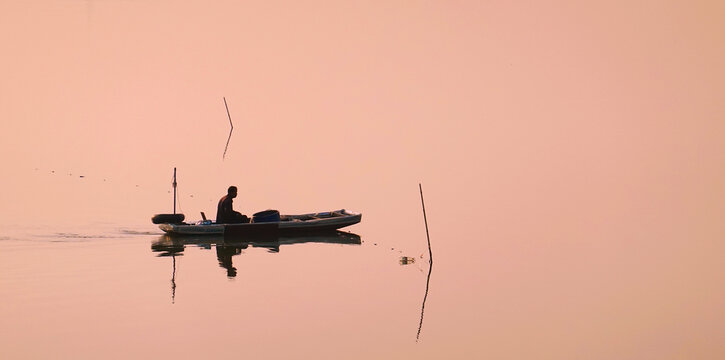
[[288, 225]]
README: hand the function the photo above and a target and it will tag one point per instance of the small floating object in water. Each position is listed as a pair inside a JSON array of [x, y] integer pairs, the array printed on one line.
[[406, 260]]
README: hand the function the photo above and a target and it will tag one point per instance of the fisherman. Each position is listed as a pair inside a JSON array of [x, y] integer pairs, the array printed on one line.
[[225, 214]]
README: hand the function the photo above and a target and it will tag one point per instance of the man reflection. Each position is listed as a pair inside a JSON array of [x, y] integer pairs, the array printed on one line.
[[224, 254]]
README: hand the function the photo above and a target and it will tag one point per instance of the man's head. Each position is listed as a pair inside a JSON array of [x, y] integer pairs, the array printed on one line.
[[232, 191]]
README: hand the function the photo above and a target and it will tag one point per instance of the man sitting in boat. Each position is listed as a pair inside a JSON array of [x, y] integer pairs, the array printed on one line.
[[224, 212]]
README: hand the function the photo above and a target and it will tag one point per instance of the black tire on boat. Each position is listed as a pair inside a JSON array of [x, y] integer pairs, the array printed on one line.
[[167, 218]]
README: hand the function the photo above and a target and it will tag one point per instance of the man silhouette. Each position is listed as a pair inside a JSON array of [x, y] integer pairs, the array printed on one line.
[[225, 214]]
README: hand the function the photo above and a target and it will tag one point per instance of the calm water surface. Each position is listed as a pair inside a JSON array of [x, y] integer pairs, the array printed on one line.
[[125, 290], [119, 291]]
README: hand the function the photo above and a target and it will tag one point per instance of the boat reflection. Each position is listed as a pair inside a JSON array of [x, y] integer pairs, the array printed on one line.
[[167, 245], [226, 248]]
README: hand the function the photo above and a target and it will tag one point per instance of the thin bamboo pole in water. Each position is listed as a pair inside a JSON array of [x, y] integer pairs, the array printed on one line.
[[430, 262]]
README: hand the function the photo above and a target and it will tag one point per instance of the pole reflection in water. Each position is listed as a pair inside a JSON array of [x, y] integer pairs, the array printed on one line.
[[172, 249], [173, 281], [227, 248]]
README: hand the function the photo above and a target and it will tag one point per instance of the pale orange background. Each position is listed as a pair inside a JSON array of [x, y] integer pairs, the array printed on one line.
[[571, 151]]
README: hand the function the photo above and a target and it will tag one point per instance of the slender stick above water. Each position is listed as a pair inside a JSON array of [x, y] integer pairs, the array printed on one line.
[[430, 262], [174, 185], [230, 130], [425, 219]]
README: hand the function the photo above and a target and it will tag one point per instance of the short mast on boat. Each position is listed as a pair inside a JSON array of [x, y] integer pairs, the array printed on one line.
[[174, 186]]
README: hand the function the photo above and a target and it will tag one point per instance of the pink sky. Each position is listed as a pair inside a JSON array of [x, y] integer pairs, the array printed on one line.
[[552, 96]]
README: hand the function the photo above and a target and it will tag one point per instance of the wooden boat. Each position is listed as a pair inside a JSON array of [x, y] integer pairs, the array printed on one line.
[[287, 225]]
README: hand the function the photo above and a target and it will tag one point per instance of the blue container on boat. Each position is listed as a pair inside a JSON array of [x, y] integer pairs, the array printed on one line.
[[266, 216]]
